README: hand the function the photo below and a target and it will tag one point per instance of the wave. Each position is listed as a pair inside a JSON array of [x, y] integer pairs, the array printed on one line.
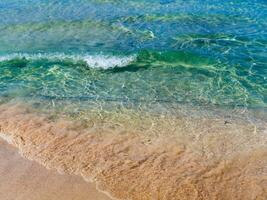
[[93, 61], [141, 60]]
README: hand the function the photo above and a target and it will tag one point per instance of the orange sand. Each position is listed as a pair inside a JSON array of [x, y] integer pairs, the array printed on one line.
[[198, 159], [21, 179]]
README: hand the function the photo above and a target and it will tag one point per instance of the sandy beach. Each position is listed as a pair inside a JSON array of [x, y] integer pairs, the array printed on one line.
[[21, 179], [225, 161]]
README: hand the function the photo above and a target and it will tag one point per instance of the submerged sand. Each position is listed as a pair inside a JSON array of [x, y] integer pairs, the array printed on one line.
[[173, 159], [21, 179]]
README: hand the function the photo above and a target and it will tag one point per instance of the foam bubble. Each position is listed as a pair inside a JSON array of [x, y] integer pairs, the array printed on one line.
[[105, 62], [93, 61]]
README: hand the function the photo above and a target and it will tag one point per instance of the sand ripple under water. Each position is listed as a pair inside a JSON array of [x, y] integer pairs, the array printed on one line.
[[204, 159]]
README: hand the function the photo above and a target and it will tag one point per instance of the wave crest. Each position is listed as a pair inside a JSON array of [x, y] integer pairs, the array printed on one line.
[[93, 61]]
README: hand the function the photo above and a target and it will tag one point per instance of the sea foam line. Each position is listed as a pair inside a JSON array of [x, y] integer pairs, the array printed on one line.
[[93, 61]]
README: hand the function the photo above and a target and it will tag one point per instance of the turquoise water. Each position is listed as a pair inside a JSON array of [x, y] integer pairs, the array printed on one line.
[[205, 53]]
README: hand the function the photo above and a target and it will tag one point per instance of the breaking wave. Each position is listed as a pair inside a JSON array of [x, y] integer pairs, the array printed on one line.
[[93, 61]]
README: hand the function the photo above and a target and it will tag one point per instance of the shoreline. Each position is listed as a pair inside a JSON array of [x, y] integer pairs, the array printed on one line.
[[27, 180], [207, 159], [4, 138]]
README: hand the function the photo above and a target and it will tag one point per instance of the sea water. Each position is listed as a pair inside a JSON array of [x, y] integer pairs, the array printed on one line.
[[135, 73]]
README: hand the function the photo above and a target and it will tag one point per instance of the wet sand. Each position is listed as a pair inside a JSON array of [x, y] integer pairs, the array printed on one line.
[[22, 179], [171, 159]]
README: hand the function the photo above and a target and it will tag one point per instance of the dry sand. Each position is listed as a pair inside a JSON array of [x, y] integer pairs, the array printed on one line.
[[21, 179], [202, 159]]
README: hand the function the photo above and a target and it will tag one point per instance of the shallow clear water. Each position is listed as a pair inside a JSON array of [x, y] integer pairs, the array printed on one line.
[[152, 99], [205, 53]]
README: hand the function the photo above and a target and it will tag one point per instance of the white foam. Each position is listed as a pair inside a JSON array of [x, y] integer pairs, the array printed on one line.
[[6, 138], [106, 62], [93, 61]]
